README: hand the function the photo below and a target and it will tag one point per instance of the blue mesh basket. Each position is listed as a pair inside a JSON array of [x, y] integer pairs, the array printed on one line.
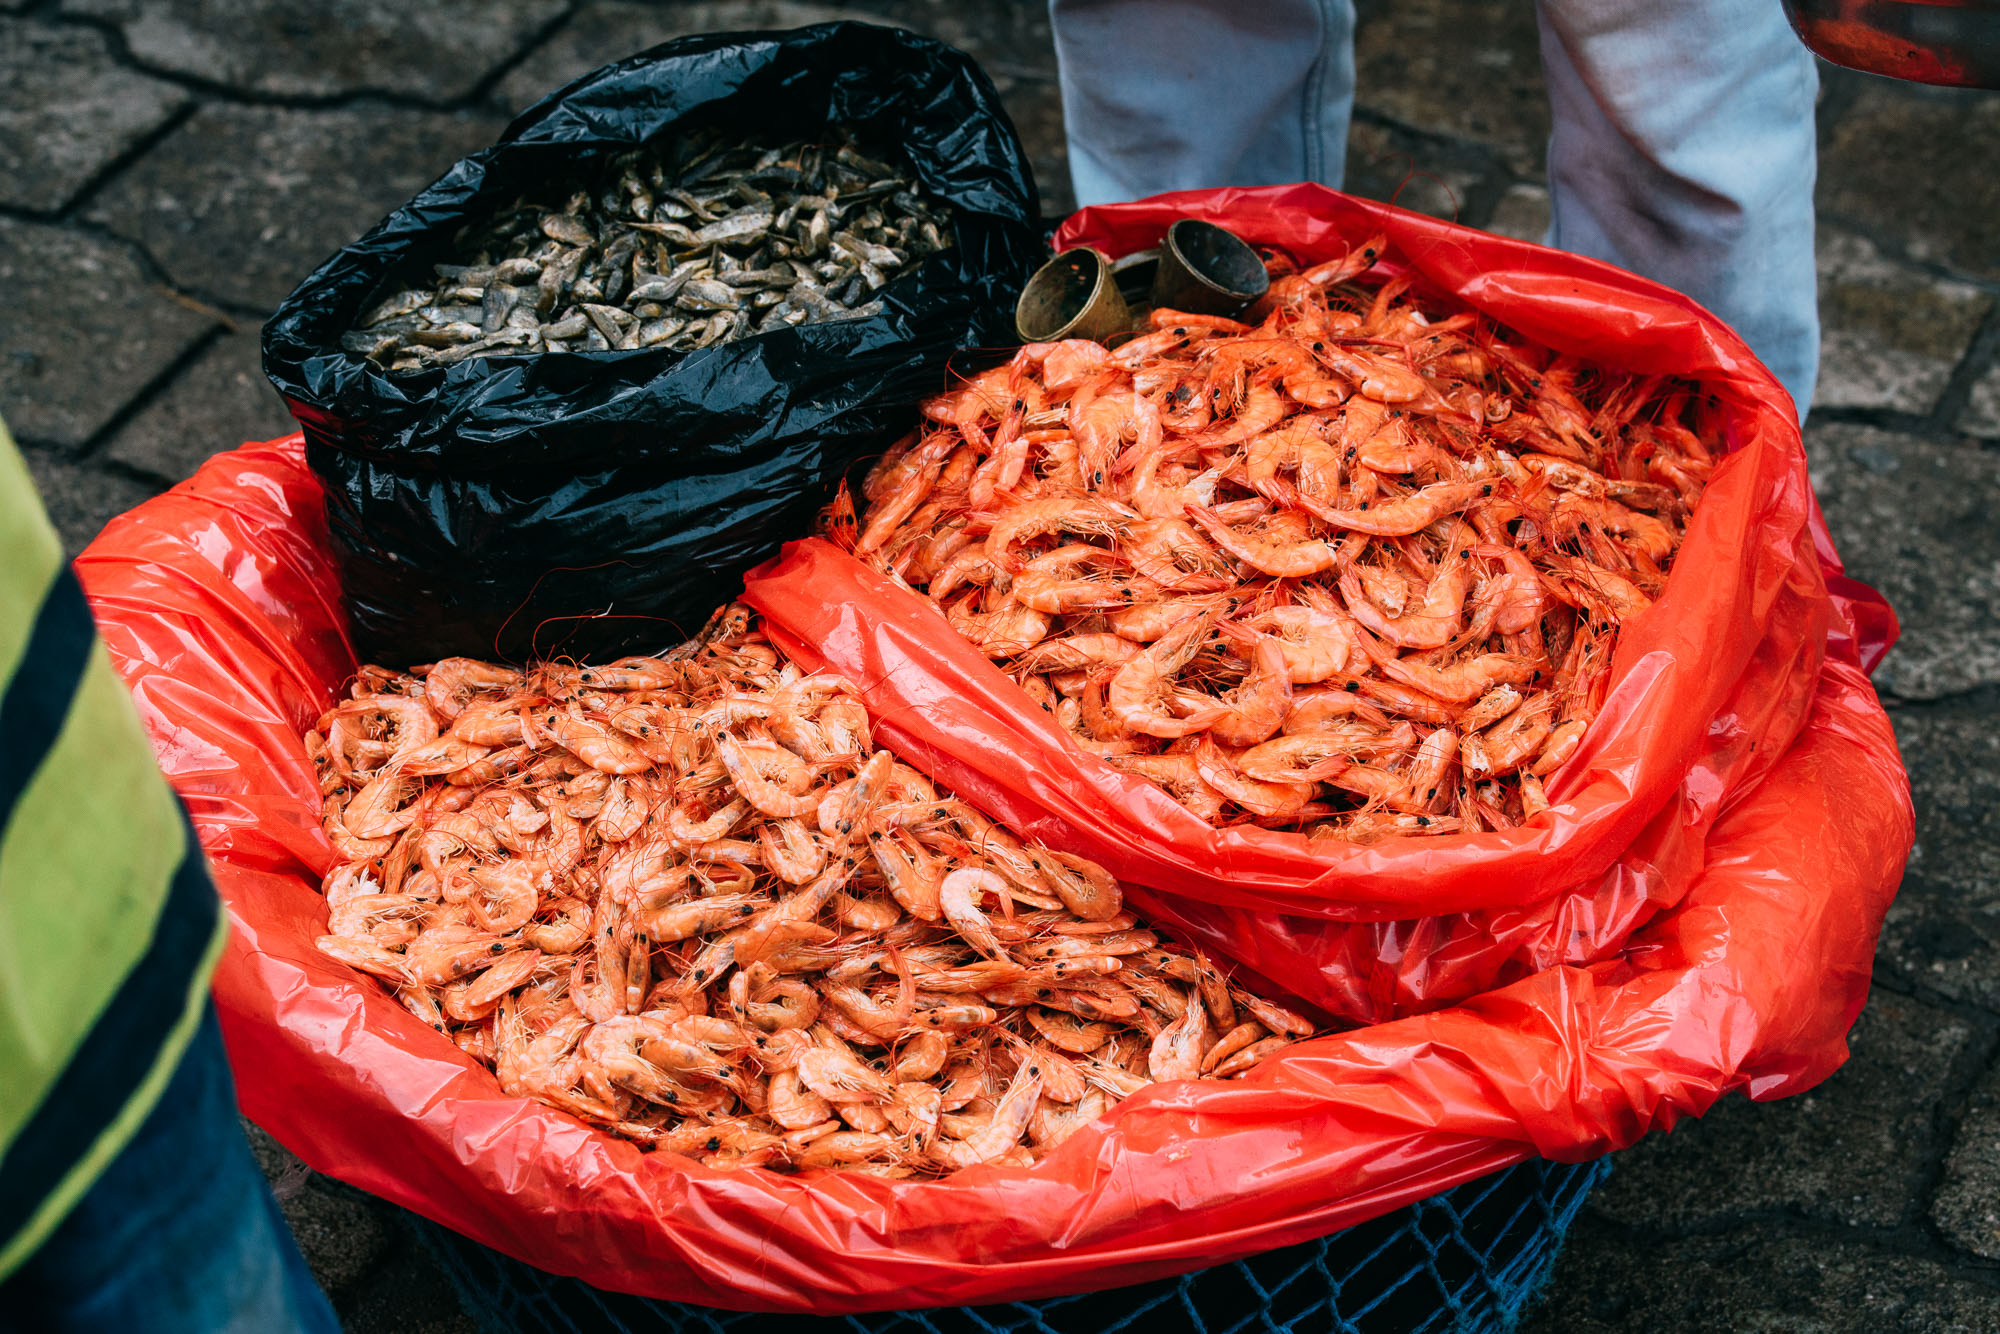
[[1468, 1261]]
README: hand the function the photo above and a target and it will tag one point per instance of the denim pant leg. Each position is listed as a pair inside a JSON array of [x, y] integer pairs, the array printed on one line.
[[1183, 94], [1684, 149], [179, 1236]]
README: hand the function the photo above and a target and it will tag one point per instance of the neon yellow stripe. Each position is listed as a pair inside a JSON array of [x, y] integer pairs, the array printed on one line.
[[85, 863], [84, 1173], [30, 556]]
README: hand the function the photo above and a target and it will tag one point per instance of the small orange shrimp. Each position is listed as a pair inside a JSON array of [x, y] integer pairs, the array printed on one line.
[[1176, 1053], [475, 998], [448, 951], [1512, 742], [1287, 559], [1179, 776], [365, 956], [958, 900], [1462, 681], [1404, 515], [1077, 652], [1060, 514], [567, 930], [1561, 744], [1141, 694], [1104, 423], [508, 893], [1249, 1057], [592, 742], [752, 768], [1254, 710], [831, 1070], [1064, 581], [1263, 407], [1085, 888], [377, 810], [1009, 1122], [1221, 773], [896, 489], [1170, 553]]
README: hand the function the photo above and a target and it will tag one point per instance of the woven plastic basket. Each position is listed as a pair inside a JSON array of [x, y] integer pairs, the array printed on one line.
[[1469, 1261]]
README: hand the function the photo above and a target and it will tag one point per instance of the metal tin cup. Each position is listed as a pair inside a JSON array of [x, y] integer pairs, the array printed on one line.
[[1207, 270], [1074, 295]]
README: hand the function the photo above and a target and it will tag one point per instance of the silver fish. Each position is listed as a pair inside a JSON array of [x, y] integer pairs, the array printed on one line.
[[680, 245]]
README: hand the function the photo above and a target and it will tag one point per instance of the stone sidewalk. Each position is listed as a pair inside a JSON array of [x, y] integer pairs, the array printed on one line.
[[169, 170]]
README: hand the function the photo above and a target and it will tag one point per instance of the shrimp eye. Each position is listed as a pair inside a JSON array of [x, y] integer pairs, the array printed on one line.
[[1424, 821]]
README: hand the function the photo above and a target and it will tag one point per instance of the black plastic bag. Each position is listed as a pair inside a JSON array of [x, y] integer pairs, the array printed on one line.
[[592, 503]]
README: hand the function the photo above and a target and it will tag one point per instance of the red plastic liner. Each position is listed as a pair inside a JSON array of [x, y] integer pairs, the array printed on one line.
[[219, 603], [1708, 688]]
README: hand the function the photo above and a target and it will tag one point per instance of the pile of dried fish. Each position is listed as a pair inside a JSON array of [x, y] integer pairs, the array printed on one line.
[[701, 241], [687, 900]]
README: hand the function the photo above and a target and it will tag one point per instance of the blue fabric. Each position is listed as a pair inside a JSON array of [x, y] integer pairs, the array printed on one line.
[[180, 1235], [1470, 1261], [1683, 146]]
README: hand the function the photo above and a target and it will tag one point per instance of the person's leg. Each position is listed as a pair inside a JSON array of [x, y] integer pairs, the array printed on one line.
[[179, 1236], [1684, 150], [1185, 94]]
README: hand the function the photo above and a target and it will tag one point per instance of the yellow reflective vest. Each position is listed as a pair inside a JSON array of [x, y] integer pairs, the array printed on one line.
[[109, 926]]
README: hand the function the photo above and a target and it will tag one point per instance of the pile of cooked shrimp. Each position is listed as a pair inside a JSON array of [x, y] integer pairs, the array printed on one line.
[[1355, 570], [687, 900]]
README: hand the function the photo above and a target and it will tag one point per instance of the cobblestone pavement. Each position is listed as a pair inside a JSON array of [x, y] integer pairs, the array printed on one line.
[[169, 168]]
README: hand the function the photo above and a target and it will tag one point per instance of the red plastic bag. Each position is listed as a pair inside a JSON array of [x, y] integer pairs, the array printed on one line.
[[220, 607], [1708, 688]]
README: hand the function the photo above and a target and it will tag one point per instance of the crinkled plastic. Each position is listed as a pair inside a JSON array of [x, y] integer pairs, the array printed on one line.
[[220, 606], [1708, 688], [595, 502]]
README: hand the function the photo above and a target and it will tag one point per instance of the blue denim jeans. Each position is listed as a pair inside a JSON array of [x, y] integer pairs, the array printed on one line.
[[179, 1236], [1683, 146]]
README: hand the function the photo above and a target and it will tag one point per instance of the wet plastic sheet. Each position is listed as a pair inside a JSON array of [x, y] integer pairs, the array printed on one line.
[[590, 503], [219, 604], [1708, 688]]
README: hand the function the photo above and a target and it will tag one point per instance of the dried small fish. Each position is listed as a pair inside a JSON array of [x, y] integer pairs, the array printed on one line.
[[680, 246]]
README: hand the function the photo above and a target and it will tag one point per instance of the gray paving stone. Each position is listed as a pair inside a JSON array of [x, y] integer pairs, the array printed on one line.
[[1008, 38], [1010, 41], [438, 50], [1917, 520], [1412, 172], [1035, 107], [603, 32], [1943, 930], [341, 1232], [80, 500], [218, 403], [407, 1294], [1844, 1152], [1915, 168], [1982, 409], [1967, 1207], [85, 331], [1890, 335], [241, 203], [1522, 212], [69, 112], [1751, 1282], [1470, 70]]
